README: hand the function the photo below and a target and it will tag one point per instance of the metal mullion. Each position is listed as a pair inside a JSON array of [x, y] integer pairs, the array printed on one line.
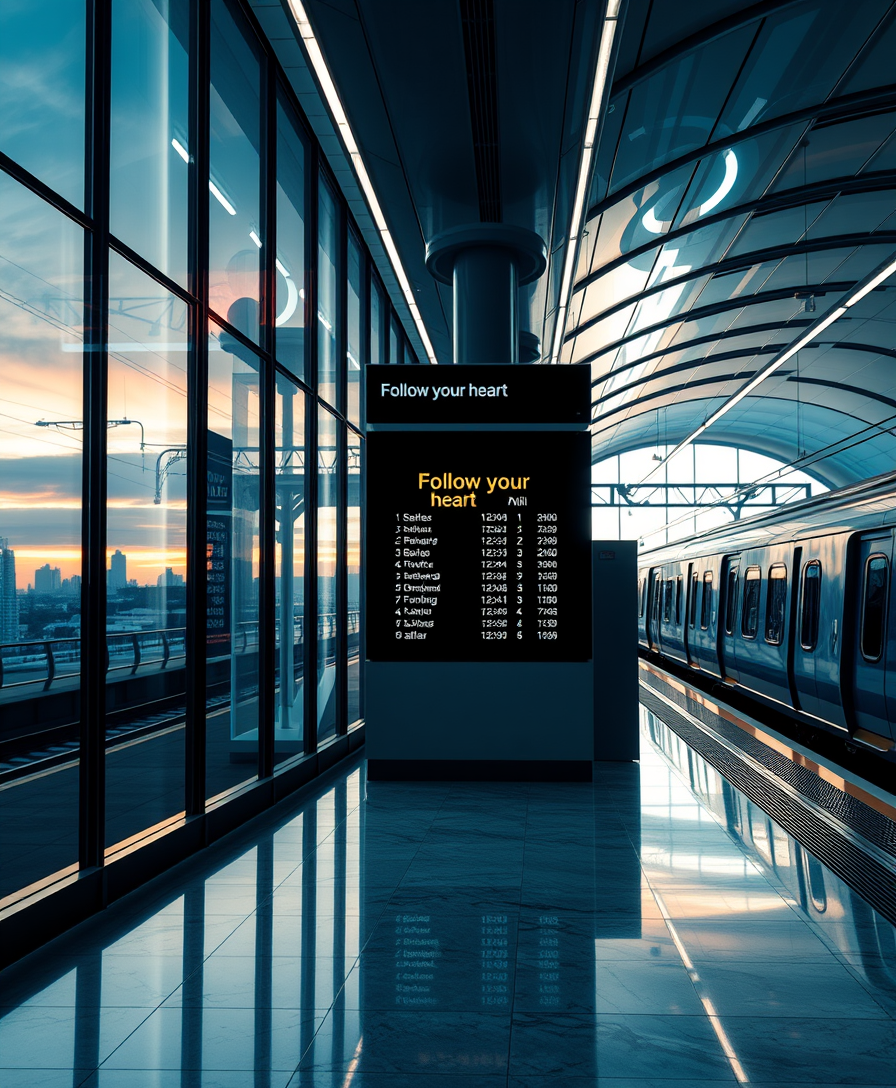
[[197, 419], [310, 620], [149, 270], [267, 436], [92, 769], [342, 480], [29, 181]]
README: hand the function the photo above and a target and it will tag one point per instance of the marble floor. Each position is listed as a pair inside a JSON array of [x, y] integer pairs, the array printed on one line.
[[654, 929]]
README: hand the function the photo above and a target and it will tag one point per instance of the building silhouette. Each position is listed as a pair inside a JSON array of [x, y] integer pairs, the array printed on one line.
[[47, 579], [9, 601], [118, 571]]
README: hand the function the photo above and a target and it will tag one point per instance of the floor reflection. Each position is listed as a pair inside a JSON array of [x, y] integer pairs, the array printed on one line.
[[652, 928]]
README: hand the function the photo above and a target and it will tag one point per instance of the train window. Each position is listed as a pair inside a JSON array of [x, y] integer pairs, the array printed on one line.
[[810, 605], [678, 581], [874, 606], [706, 603], [775, 604], [731, 600], [695, 581], [640, 597], [749, 618], [667, 601], [655, 606]]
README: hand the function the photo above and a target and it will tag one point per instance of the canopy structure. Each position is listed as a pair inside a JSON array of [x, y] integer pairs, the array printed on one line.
[[745, 182]]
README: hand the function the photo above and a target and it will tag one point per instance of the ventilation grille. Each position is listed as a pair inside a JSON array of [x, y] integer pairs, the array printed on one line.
[[478, 22]]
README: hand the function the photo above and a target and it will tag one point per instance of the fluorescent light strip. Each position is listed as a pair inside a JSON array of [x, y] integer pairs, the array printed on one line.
[[578, 208], [221, 198], [331, 95], [255, 238], [876, 278]]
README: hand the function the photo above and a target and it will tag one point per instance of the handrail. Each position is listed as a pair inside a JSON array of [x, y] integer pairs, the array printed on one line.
[[45, 656]]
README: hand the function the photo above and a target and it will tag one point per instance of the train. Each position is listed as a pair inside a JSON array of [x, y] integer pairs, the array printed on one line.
[[794, 609]]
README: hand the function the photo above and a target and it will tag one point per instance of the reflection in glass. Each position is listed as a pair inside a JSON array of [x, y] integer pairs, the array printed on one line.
[[328, 293], [353, 565], [290, 261], [327, 619], [41, 343], [395, 356], [42, 65], [146, 550], [290, 570], [353, 354], [149, 131], [234, 211], [233, 551]]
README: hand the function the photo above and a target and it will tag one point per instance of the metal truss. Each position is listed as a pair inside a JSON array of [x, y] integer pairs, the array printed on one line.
[[727, 496]]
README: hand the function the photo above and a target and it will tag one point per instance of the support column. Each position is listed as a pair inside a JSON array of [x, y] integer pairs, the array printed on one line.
[[486, 263]]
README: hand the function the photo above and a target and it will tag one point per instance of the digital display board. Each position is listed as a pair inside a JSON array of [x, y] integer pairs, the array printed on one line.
[[478, 546], [482, 394]]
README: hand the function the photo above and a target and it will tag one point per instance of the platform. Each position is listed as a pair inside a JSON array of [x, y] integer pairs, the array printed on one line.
[[653, 928]]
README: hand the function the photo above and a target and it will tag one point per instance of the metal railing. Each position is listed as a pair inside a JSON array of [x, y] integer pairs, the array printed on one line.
[[45, 661]]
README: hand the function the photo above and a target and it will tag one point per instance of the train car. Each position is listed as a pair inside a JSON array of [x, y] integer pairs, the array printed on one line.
[[794, 608]]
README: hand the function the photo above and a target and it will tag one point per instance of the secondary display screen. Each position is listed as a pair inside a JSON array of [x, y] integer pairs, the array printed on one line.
[[478, 546]]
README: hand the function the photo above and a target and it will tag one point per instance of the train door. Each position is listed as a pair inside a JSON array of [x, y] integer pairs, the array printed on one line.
[[805, 637], [872, 578], [728, 617]]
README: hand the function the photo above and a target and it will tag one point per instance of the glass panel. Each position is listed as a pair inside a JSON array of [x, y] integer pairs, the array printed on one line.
[[693, 617], [232, 548], [811, 603], [291, 345], [233, 215], [146, 551], [377, 322], [328, 293], [43, 46], [775, 604], [731, 602], [877, 576], [706, 603], [749, 623], [354, 349], [394, 342], [41, 313], [353, 573], [149, 146], [327, 619], [667, 601], [289, 711]]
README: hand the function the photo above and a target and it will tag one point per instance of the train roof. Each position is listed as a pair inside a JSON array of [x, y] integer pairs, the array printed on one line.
[[858, 506]]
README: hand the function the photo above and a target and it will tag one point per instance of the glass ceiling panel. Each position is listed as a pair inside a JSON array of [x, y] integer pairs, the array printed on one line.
[[875, 69], [836, 151], [605, 332], [805, 268], [731, 285], [854, 213], [860, 262], [614, 286], [675, 110], [784, 227]]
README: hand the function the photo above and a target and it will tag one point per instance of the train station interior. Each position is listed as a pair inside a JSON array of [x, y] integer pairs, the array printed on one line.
[[583, 774]]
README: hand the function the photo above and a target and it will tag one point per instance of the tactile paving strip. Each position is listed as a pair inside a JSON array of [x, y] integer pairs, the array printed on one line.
[[863, 873]]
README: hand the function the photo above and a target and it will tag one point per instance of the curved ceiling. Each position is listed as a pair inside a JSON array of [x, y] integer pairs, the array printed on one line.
[[745, 181]]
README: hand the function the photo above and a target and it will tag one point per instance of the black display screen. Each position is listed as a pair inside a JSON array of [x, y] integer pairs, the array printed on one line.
[[478, 546]]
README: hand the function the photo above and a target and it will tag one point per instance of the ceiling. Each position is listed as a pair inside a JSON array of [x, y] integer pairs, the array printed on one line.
[[745, 178]]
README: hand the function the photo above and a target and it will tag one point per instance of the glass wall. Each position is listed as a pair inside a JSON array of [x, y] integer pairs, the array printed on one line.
[[211, 464], [704, 486]]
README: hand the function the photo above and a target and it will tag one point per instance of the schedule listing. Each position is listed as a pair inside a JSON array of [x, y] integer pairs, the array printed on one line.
[[486, 560]]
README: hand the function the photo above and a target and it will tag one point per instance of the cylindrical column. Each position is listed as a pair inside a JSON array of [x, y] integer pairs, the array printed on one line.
[[486, 314], [486, 263]]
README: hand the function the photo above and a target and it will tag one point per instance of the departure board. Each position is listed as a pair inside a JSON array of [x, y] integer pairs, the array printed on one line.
[[478, 546]]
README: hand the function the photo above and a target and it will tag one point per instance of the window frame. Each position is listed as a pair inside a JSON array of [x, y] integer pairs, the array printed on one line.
[[706, 601], [772, 579], [750, 577], [884, 609], [812, 564]]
